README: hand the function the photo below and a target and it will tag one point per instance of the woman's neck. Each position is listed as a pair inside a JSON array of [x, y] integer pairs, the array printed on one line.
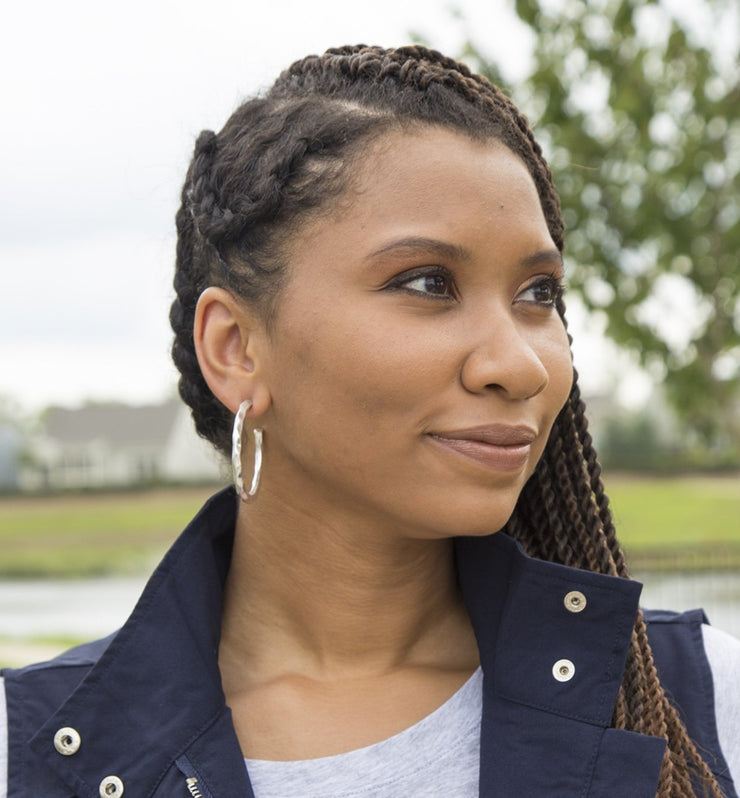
[[332, 600]]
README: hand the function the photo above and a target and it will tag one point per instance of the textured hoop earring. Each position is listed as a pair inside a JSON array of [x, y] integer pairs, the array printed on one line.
[[236, 454]]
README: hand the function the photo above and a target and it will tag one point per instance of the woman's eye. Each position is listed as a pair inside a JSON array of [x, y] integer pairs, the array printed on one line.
[[545, 291], [437, 284]]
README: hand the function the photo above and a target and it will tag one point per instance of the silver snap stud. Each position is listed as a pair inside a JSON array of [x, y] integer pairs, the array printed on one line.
[[67, 741], [563, 670], [575, 601], [111, 787]]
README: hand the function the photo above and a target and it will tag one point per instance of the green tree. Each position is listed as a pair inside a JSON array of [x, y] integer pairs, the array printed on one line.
[[639, 119]]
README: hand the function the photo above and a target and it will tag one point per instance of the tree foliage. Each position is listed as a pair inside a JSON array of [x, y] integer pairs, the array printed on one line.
[[639, 119]]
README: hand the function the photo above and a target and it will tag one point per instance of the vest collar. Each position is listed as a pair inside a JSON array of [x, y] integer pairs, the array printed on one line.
[[154, 697], [552, 671]]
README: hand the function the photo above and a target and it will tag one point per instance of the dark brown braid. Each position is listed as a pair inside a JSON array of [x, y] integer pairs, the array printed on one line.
[[285, 157]]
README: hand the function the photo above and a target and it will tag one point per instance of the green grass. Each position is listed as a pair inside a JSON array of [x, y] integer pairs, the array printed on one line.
[[681, 522], [94, 534], [686, 522]]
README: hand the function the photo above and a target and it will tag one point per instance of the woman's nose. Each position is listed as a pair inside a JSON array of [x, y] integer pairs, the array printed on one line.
[[506, 360]]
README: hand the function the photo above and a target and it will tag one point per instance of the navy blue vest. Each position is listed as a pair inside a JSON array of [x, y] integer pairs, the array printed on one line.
[[149, 710]]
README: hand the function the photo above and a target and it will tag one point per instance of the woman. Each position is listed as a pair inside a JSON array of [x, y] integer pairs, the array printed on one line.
[[369, 302]]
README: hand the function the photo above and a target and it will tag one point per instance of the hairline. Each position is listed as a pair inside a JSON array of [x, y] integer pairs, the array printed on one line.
[[388, 124]]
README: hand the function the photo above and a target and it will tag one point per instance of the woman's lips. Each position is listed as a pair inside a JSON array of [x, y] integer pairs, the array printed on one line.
[[498, 447]]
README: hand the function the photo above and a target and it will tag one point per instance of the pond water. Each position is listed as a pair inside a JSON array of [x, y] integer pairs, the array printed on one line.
[[81, 609], [85, 609], [718, 594]]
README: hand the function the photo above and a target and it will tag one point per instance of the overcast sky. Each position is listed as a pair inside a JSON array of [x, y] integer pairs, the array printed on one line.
[[101, 104]]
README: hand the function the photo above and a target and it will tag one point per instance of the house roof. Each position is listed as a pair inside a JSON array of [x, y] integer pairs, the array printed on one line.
[[117, 424]]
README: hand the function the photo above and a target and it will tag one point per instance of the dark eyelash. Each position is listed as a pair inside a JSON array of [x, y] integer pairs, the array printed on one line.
[[399, 282], [556, 285]]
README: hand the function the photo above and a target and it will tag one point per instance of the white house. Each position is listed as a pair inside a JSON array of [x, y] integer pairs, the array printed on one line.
[[116, 445]]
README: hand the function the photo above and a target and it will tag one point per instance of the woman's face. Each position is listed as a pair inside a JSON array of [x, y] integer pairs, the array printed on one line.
[[416, 361]]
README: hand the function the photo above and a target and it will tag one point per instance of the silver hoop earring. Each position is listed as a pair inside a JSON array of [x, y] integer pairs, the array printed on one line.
[[236, 454]]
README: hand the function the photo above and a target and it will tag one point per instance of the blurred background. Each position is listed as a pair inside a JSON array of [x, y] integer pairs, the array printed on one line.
[[636, 104]]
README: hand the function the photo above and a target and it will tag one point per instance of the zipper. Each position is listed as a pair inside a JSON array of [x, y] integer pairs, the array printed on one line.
[[192, 785], [196, 787]]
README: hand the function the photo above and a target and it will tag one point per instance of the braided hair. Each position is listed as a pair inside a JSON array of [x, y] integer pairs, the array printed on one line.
[[280, 160]]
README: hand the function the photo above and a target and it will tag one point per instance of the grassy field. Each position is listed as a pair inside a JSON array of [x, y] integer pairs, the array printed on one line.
[[94, 534], [678, 523], [690, 522]]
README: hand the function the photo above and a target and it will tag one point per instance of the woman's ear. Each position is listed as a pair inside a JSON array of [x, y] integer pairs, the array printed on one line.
[[229, 342]]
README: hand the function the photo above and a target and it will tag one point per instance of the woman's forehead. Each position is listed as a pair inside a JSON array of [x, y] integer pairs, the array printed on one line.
[[431, 177]]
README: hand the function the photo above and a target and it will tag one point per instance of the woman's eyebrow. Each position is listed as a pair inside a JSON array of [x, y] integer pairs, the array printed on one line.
[[444, 249], [544, 256], [413, 244]]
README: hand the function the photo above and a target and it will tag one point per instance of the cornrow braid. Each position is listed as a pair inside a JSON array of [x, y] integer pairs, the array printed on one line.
[[191, 277], [283, 158]]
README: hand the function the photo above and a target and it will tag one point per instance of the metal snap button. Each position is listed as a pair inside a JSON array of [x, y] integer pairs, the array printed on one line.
[[67, 741], [575, 601], [111, 787], [563, 670]]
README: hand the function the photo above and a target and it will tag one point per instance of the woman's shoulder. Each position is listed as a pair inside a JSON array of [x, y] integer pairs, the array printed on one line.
[[698, 666], [695, 661], [38, 689], [3, 743], [81, 656], [684, 641], [41, 687], [723, 655]]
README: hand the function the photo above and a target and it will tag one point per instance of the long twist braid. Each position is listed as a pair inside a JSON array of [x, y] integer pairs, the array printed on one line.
[[286, 156], [642, 705]]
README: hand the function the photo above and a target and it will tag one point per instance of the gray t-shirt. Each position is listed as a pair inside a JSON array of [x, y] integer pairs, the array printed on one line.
[[438, 757]]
